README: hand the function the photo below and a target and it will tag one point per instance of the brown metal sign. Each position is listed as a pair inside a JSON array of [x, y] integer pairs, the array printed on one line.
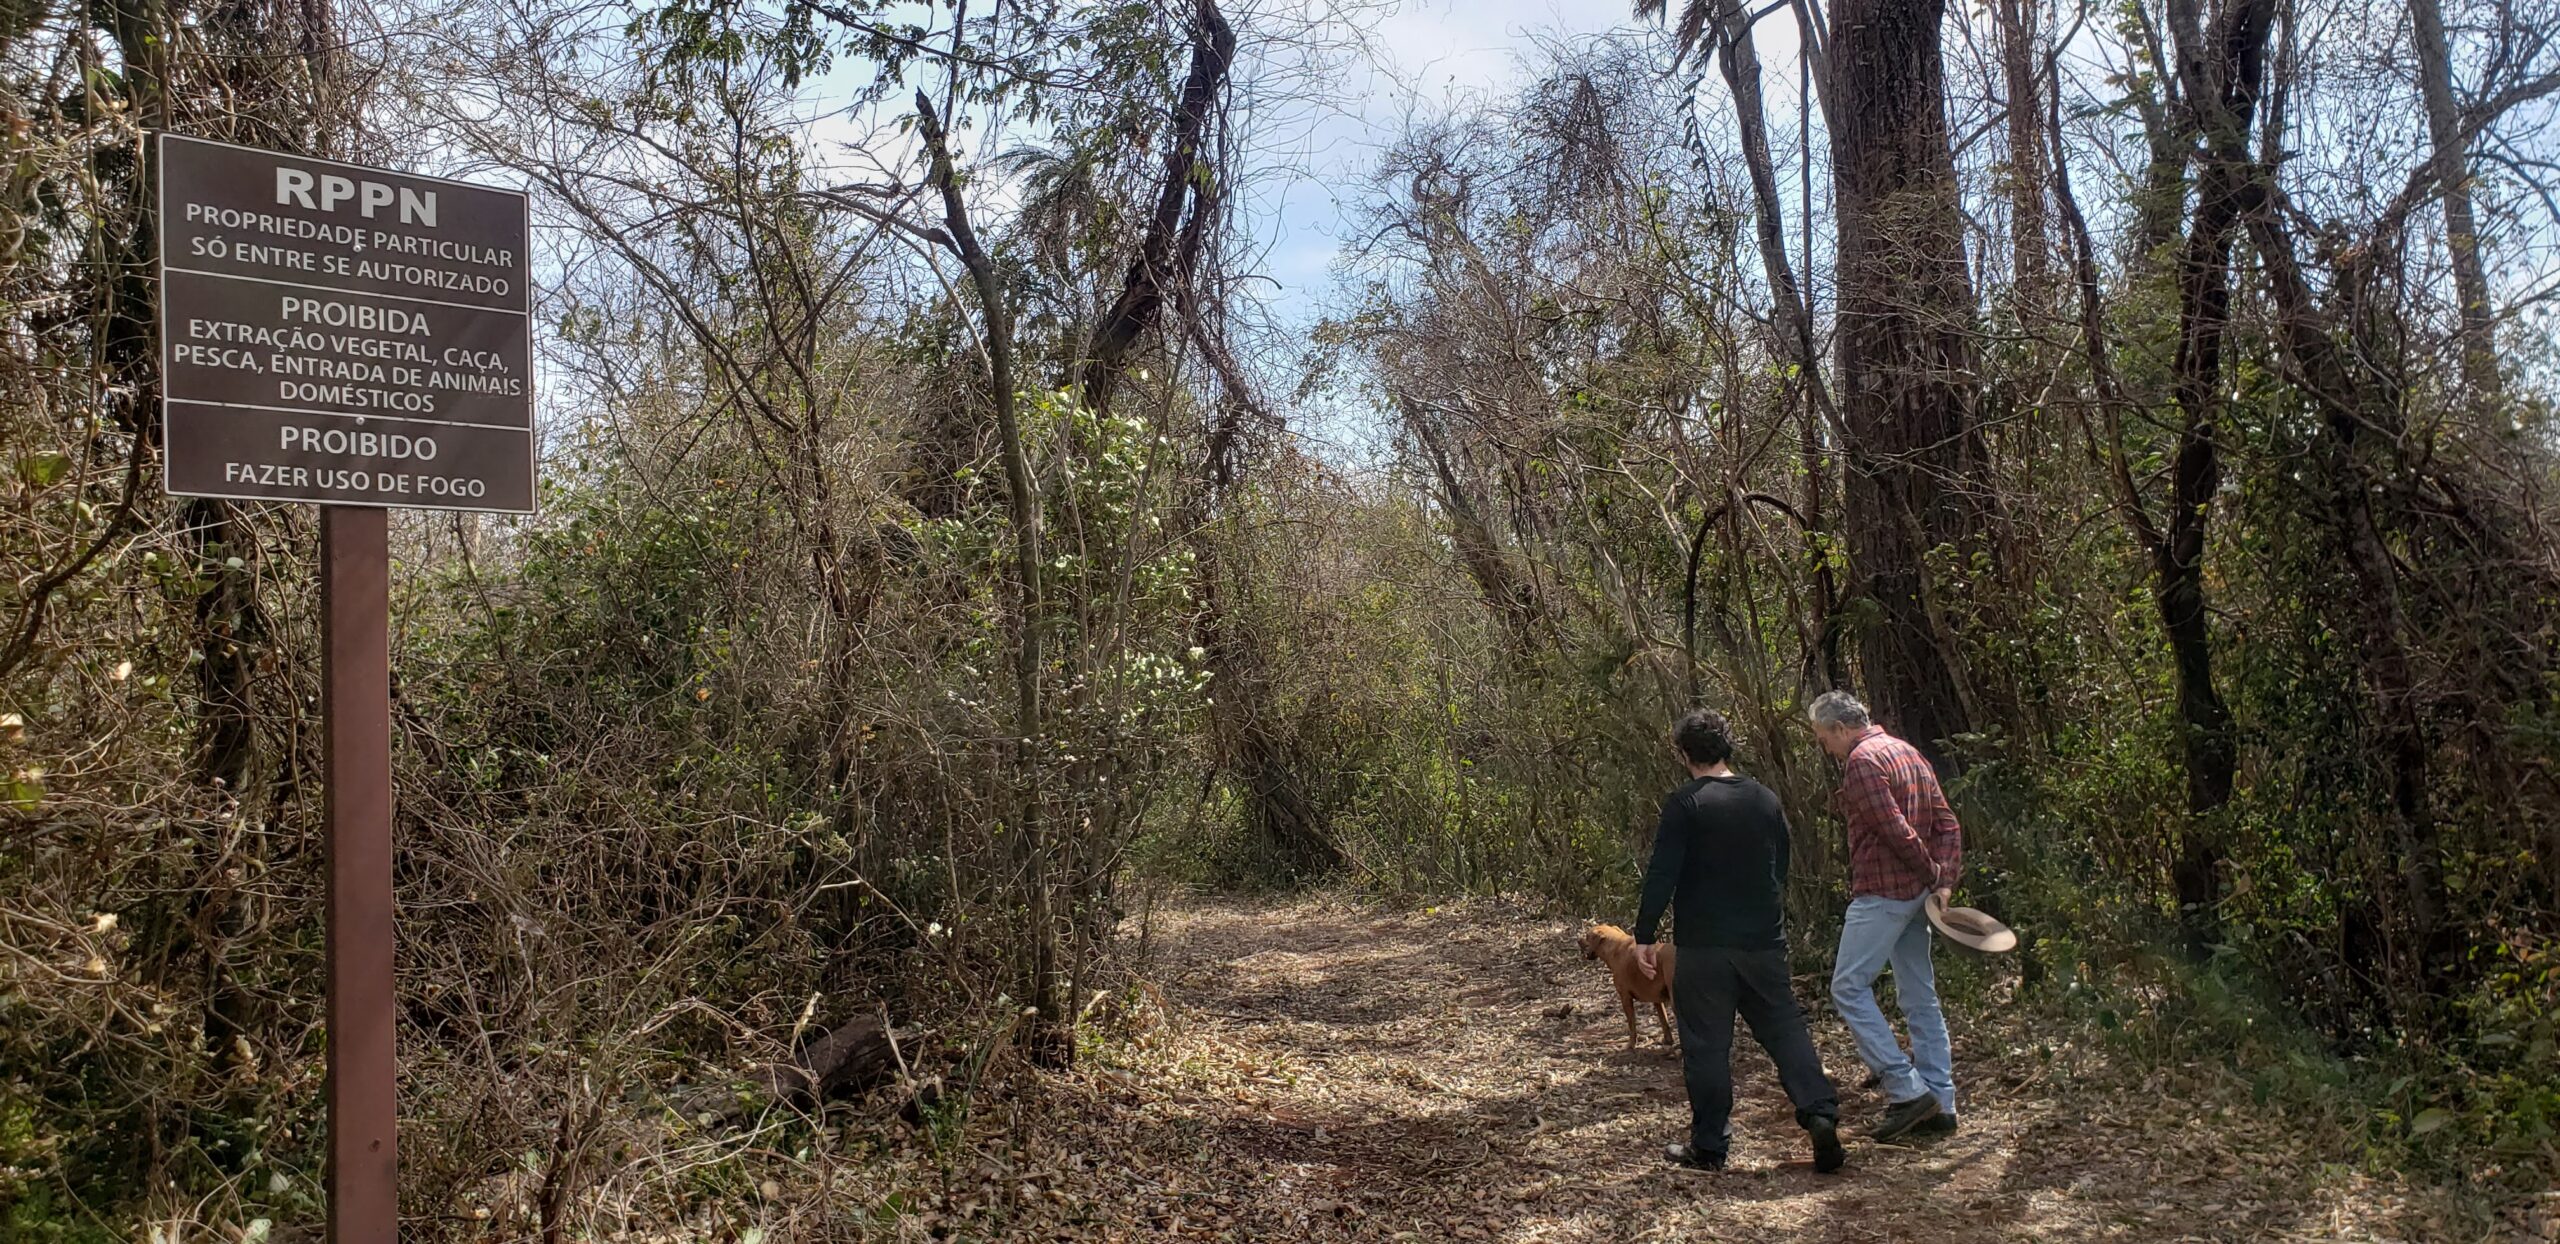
[[342, 334]]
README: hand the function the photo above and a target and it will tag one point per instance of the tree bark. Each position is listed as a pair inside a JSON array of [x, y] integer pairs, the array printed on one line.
[[1167, 252], [2030, 241], [1917, 479], [2222, 68], [2453, 174]]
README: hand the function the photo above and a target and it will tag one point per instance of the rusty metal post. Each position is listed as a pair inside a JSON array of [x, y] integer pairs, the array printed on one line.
[[355, 707]]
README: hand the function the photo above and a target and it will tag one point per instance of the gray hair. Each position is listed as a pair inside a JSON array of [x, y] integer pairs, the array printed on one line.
[[1837, 708]]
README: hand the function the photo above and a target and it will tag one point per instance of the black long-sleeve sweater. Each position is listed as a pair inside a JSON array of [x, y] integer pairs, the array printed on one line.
[[1719, 865]]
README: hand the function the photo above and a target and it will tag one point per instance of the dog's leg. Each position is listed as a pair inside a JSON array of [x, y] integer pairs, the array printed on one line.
[[1628, 1000], [1660, 1013]]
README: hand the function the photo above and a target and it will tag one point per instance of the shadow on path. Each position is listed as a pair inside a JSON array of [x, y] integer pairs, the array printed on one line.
[[1334, 1073]]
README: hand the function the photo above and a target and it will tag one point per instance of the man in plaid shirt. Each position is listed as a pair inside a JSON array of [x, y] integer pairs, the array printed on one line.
[[1904, 845]]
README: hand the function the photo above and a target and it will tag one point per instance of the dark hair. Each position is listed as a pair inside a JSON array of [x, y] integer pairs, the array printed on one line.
[[1703, 737]]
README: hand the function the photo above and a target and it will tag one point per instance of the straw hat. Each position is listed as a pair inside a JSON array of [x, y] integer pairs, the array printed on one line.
[[1969, 927]]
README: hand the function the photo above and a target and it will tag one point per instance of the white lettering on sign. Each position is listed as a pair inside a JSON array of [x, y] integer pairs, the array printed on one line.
[[303, 394], [188, 353], [296, 186], [341, 334], [353, 315], [270, 474], [360, 444]]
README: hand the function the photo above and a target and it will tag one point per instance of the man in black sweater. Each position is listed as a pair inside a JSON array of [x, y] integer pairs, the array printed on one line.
[[1720, 865]]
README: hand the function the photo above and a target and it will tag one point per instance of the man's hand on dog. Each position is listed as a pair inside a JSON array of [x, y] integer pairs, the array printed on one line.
[[1645, 956]]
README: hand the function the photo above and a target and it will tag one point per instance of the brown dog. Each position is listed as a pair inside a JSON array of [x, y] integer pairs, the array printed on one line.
[[1613, 945]]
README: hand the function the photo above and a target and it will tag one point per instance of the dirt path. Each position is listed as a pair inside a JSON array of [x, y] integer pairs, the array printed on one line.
[[1323, 1073]]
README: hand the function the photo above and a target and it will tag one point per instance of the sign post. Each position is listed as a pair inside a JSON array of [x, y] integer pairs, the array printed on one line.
[[355, 713], [363, 339]]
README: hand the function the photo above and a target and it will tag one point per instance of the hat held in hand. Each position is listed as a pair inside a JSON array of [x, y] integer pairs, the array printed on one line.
[[1969, 927]]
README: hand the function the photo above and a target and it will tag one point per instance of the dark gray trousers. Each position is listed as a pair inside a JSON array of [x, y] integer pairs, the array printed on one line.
[[1709, 986]]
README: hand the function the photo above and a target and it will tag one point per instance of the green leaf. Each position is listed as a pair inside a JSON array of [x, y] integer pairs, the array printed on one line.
[[42, 470], [2429, 1120]]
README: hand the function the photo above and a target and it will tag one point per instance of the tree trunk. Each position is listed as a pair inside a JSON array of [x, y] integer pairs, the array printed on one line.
[[1265, 771], [2166, 135], [1741, 63], [1048, 1032], [1167, 252], [1166, 263], [1916, 480], [2030, 243], [1512, 600], [2453, 174], [2222, 69]]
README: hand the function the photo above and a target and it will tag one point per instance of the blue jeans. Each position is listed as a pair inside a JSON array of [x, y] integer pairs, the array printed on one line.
[[1881, 932]]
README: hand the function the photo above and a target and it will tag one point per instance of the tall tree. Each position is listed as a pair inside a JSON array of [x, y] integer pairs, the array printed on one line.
[[1165, 273], [2452, 169], [1050, 1036], [2222, 59], [2407, 526], [1168, 251], [1917, 481], [2030, 246]]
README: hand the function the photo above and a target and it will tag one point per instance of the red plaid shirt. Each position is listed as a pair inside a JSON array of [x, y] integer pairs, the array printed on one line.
[[1903, 839]]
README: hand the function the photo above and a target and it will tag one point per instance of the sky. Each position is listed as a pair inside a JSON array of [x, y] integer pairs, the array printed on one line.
[[1413, 58], [1319, 113], [1326, 85], [1421, 55]]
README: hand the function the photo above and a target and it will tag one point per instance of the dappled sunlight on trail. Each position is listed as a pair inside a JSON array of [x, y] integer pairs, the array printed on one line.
[[1332, 1073]]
